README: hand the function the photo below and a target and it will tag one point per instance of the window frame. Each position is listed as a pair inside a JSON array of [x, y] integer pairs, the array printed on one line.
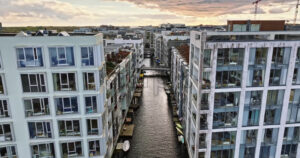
[[35, 55], [43, 106], [39, 83], [88, 56]]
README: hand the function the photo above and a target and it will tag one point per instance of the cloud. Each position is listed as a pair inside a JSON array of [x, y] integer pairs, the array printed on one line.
[[43, 10], [209, 8]]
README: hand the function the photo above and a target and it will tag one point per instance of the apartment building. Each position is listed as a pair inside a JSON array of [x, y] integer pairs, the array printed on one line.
[[180, 78], [130, 43], [123, 74], [165, 42], [52, 96], [244, 95]]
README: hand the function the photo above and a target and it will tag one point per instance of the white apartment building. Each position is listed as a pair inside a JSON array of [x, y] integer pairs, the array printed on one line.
[[244, 95], [52, 101], [135, 43]]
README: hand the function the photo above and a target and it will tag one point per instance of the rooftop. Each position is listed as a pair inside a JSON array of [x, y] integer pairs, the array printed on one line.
[[114, 59], [184, 52]]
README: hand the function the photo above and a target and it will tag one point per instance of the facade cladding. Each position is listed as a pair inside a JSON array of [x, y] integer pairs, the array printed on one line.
[[244, 95], [52, 101]]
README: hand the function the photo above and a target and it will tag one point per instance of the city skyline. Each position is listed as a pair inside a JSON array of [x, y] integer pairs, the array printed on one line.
[[138, 13]]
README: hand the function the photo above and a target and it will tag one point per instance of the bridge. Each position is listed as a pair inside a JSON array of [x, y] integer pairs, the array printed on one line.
[[156, 68]]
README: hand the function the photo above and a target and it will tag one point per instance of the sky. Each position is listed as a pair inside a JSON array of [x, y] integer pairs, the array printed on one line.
[[139, 12]]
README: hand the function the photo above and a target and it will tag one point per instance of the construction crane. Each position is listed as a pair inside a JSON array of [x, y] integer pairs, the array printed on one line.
[[296, 12], [256, 5]]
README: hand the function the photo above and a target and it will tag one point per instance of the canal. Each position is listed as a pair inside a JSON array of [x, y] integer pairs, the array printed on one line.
[[154, 135]]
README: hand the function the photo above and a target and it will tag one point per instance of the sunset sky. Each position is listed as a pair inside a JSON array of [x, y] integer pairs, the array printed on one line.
[[138, 12]]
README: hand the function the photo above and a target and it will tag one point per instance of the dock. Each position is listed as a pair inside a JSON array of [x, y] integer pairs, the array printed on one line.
[[127, 130]]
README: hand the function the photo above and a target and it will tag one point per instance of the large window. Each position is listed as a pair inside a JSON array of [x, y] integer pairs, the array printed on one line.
[[269, 142], [34, 82], [207, 58], [87, 56], [4, 111], [223, 144], [248, 143], [71, 149], [293, 115], [94, 148], [279, 67], [228, 79], [40, 130], [296, 77], [64, 81], [252, 108], [46, 150], [5, 132], [66, 105], [92, 126], [30, 57], [8, 152], [257, 67], [69, 128], [202, 140], [61, 56], [291, 139], [36, 107], [91, 104], [273, 107], [89, 81], [230, 57]]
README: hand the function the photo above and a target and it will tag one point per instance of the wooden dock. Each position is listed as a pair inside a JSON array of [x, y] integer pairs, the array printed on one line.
[[127, 130]]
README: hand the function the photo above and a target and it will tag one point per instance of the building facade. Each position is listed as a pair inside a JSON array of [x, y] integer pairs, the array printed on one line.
[[52, 96], [244, 95]]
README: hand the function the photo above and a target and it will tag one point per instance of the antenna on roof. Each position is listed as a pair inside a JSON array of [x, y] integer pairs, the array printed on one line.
[[256, 5]]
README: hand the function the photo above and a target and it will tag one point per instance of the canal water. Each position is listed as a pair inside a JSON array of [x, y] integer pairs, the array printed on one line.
[[154, 134]]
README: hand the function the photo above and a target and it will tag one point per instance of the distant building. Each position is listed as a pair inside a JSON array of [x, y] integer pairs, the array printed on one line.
[[255, 25]]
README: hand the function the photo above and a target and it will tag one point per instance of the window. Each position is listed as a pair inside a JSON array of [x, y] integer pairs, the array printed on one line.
[[1, 84], [232, 57], [30, 57], [279, 67], [268, 145], [255, 27], [252, 108], [87, 56], [202, 140], [4, 111], [203, 122], [225, 119], [102, 74], [39, 130], [207, 58], [61, 56], [293, 115], [89, 81], [33, 82], [296, 77], [248, 143], [43, 150], [223, 144], [69, 128], [71, 149], [94, 148], [228, 79], [91, 104], [8, 152], [204, 101], [36, 107], [239, 28], [290, 142], [64, 81], [92, 126], [273, 107], [5, 132], [66, 105], [257, 67]]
